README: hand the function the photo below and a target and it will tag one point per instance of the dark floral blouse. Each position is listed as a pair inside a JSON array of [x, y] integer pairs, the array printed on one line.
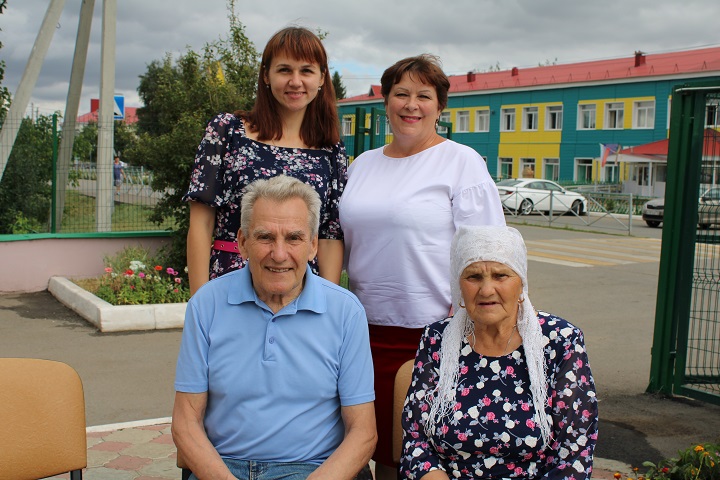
[[227, 161], [492, 433]]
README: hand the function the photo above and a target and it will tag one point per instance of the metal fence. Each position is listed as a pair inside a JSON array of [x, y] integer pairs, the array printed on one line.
[[54, 190], [686, 342]]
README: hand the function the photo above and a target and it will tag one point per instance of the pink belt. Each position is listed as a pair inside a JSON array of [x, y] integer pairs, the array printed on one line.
[[226, 246]]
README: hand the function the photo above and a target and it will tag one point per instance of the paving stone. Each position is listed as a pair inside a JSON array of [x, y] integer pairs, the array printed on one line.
[[98, 458], [150, 450], [127, 462], [132, 435], [110, 446]]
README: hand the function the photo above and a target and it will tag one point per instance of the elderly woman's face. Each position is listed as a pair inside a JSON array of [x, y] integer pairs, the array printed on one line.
[[412, 108], [490, 292]]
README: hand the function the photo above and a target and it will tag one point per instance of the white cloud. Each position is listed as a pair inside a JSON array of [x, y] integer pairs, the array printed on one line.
[[363, 38]]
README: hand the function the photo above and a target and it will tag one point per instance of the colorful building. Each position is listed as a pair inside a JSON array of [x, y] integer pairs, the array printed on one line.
[[552, 119]]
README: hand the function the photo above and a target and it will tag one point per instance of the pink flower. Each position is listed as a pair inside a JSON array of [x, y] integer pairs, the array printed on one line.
[[464, 369], [586, 414], [560, 404], [108, 269], [491, 416], [435, 356], [178, 280], [465, 392], [457, 406], [444, 429], [529, 423], [426, 466], [518, 471], [462, 436], [494, 450], [486, 401], [509, 370], [175, 290], [424, 407], [170, 271], [510, 466], [525, 407], [141, 275], [579, 363]]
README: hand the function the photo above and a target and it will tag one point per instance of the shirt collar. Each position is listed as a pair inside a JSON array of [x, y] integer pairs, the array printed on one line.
[[310, 298]]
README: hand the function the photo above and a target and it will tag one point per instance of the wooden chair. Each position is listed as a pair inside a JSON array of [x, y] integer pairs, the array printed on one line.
[[403, 377], [42, 420]]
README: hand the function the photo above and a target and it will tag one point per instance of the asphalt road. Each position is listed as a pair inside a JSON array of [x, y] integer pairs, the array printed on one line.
[[611, 297]]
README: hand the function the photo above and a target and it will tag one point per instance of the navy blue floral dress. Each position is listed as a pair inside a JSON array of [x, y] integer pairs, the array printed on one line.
[[493, 433], [227, 161]]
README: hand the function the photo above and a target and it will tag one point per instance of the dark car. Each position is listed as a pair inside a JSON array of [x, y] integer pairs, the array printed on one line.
[[708, 209]]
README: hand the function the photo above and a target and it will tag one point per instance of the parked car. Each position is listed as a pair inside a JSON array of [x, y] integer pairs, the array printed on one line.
[[708, 209], [525, 195]]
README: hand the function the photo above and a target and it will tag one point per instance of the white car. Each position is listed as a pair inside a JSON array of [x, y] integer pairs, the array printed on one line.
[[525, 195]]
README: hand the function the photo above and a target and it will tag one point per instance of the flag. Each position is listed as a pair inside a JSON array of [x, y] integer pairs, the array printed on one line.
[[607, 149]]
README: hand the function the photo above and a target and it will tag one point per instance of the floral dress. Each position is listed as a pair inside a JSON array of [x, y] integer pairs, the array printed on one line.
[[493, 433], [227, 161]]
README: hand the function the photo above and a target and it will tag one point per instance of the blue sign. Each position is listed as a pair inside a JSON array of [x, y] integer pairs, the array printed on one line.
[[119, 107]]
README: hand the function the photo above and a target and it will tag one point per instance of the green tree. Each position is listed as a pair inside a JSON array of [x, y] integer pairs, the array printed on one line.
[[340, 91], [179, 97], [25, 190]]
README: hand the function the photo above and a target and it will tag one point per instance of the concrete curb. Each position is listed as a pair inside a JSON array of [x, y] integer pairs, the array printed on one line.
[[116, 318]]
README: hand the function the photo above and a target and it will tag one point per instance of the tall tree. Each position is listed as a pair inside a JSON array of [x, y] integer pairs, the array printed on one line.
[[340, 91], [179, 97]]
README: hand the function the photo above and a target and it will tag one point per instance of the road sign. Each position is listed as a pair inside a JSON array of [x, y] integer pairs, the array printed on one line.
[[119, 107]]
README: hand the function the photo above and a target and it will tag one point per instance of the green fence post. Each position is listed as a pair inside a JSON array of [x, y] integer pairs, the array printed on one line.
[[53, 198], [359, 131], [679, 232]]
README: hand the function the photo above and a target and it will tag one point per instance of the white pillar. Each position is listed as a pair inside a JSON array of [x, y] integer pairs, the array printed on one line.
[[27, 82], [105, 190], [71, 107]]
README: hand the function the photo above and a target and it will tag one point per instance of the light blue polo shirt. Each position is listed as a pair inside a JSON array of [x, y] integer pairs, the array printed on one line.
[[275, 383]]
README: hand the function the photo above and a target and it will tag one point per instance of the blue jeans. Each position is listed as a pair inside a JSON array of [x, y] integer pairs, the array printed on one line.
[[250, 470]]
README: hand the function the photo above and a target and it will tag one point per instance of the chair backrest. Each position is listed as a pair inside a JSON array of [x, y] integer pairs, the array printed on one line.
[[402, 383], [42, 419]]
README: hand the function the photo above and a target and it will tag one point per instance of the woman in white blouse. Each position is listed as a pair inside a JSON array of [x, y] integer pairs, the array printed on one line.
[[399, 211]]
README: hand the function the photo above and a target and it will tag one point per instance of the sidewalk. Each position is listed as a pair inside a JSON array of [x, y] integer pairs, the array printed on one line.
[[145, 451]]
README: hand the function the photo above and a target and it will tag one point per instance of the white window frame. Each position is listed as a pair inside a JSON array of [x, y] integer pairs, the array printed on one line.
[[551, 165], [482, 121], [507, 120], [553, 117], [462, 121], [587, 165], [587, 111], [644, 114], [614, 115], [712, 114], [505, 162], [530, 119], [444, 117], [527, 162], [388, 127], [347, 126]]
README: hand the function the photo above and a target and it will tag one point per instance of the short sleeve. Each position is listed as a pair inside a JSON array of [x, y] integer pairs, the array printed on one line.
[[355, 382], [191, 373], [330, 228], [207, 176], [478, 205]]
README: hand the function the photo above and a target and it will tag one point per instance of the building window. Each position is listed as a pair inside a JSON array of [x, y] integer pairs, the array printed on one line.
[[444, 117], [505, 167], [482, 121], [508, 120], [388, 127], [553, 117], [583, 169], [378, 123], [586, 117], [712, 114], [527, 167], [614, 114], [347, 129], [610, 173], [530, 118], [644, 114], [551, 169], [462, 121]]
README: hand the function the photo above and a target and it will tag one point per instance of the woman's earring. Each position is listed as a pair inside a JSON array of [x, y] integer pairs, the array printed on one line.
[[319, 88], [461, 305], [267, 85], [521, 300]]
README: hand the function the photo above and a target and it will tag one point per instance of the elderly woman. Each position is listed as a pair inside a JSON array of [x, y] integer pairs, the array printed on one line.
[[499, 390], [399, 212]]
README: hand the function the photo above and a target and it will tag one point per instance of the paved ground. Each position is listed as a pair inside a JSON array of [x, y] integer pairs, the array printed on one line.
[[128, 376]]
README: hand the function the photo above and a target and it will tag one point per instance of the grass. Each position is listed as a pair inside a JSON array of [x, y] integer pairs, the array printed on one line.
[[80, 210]]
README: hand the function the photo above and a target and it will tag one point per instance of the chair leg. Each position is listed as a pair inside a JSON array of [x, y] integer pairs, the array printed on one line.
[[76, 475], [186, 473]]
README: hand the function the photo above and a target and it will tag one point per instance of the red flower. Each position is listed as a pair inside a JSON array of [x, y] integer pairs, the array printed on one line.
[[158, 267], [129, 272]]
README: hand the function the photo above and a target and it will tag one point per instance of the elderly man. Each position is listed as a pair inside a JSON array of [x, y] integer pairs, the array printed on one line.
[[274, 377]]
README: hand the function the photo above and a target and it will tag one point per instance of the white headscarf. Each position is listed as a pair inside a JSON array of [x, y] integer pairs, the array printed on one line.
[[489, 244]]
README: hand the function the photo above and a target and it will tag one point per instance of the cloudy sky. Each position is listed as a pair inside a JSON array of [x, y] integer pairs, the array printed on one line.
[[364, 37]]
